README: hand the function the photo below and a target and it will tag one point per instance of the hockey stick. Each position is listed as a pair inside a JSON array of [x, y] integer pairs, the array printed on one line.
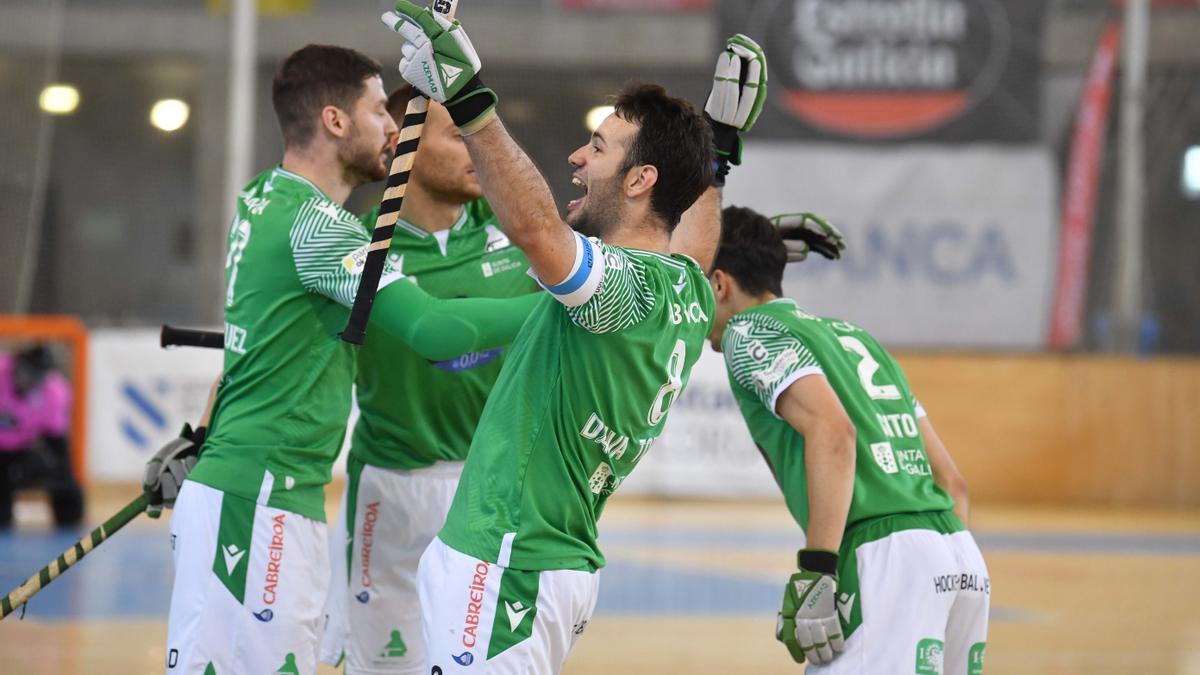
[[186, 337], [389, 208], [21, 594]]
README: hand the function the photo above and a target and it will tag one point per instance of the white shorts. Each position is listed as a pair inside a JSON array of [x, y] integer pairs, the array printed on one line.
[[249, 581], [373, 614], [919, 604], [504, 621]]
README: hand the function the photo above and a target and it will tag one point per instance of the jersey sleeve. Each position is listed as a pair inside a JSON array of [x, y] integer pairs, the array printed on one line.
[[441, 329], [765, 358], [330, 249], [606, 291], [918, 409]]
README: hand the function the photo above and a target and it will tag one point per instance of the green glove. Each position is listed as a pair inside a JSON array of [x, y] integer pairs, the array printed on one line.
[[167, 469], [804, 232], [738, 93], [808, 623], [440, 61]]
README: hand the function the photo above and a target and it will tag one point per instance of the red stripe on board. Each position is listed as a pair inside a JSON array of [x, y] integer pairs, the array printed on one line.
[[1080, 191]]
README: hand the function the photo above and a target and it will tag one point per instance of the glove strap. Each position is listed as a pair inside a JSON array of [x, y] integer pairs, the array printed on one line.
[[727, 149], [473, 108], [816, 560]]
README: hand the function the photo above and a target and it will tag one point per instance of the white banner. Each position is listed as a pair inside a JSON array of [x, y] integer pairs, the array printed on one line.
[[139, 396], [946, 246], [705, 449]]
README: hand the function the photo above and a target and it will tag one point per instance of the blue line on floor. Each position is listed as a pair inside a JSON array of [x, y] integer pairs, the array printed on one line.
[[130, 575]]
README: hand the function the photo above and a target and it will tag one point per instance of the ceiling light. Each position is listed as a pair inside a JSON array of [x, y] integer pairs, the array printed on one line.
[[59, 99], [169, 114], [596, 116]]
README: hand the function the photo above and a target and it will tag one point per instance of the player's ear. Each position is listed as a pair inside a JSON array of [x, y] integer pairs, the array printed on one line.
[[640, 180], [335, 121], [720, 284]]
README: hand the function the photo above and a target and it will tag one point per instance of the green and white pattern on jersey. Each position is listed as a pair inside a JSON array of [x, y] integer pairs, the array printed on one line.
[[280, 414], [581, 399], [415, 412], [772, 345]]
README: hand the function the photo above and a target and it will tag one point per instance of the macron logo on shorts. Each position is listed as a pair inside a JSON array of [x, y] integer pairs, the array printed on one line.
[[232, 557], [516, 614]]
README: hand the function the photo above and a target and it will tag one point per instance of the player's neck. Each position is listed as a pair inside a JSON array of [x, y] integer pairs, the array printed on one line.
[[328, 176], [744, 301], [649, 234], [429, 212]]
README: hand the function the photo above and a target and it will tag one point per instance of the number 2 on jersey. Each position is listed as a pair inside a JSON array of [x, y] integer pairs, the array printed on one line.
[[867, 368]]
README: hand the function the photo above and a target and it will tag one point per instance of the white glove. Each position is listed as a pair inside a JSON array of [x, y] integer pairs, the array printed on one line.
[[734, 100], [438, 57]]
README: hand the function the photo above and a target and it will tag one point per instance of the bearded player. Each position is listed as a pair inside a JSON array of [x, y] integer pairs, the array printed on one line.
[[890, 576], [418, 415], [248, 529], [510, 582]]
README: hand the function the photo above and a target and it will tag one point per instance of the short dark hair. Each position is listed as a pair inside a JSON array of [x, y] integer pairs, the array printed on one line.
[[310, 79], [751, 251], [673, 138], [397, 102]]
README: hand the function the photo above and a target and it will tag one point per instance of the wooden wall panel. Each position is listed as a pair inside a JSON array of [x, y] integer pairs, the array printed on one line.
[[1067, 429]]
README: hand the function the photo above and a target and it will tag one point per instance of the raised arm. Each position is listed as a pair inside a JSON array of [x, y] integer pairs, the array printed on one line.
[[699, 231], [738, 93], [522, 202], [441, 62]]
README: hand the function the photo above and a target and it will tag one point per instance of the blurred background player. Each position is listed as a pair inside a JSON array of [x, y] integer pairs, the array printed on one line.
[[511, 581], [250, 544], [35, 415], [417, 416], [889, 576]]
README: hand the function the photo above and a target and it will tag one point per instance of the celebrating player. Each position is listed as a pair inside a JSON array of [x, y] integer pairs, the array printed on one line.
[[510, 583], [250, 545], [417, 416], [890, 576]]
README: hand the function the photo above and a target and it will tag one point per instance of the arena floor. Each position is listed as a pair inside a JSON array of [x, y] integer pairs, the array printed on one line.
[[693, 587]]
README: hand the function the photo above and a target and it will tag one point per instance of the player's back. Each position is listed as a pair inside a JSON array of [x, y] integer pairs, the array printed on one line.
[[584, 393], [773, 344], [281, 409]]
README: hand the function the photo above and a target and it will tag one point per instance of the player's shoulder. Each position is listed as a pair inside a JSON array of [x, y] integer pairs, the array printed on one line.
[[780, 314], [280, 195], [751, 325], [671, 267]]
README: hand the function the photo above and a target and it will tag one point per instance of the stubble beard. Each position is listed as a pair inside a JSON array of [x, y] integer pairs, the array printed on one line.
[[600, 214], [361, 164]]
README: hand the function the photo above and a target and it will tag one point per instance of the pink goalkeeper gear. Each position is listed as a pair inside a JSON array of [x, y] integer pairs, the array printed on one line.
[[46, 411]]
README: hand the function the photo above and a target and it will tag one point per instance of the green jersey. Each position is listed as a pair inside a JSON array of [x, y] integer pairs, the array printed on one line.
[[414, 411], [770, 346], [280, 412], [294, 261], [584, 394]]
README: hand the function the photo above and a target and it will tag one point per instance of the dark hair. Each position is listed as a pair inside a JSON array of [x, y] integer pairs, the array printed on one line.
[[673, 138], [751, 251], [397, 102], [310, 79]]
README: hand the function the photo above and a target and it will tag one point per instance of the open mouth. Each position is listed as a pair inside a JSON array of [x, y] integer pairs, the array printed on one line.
[[575, 204]]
